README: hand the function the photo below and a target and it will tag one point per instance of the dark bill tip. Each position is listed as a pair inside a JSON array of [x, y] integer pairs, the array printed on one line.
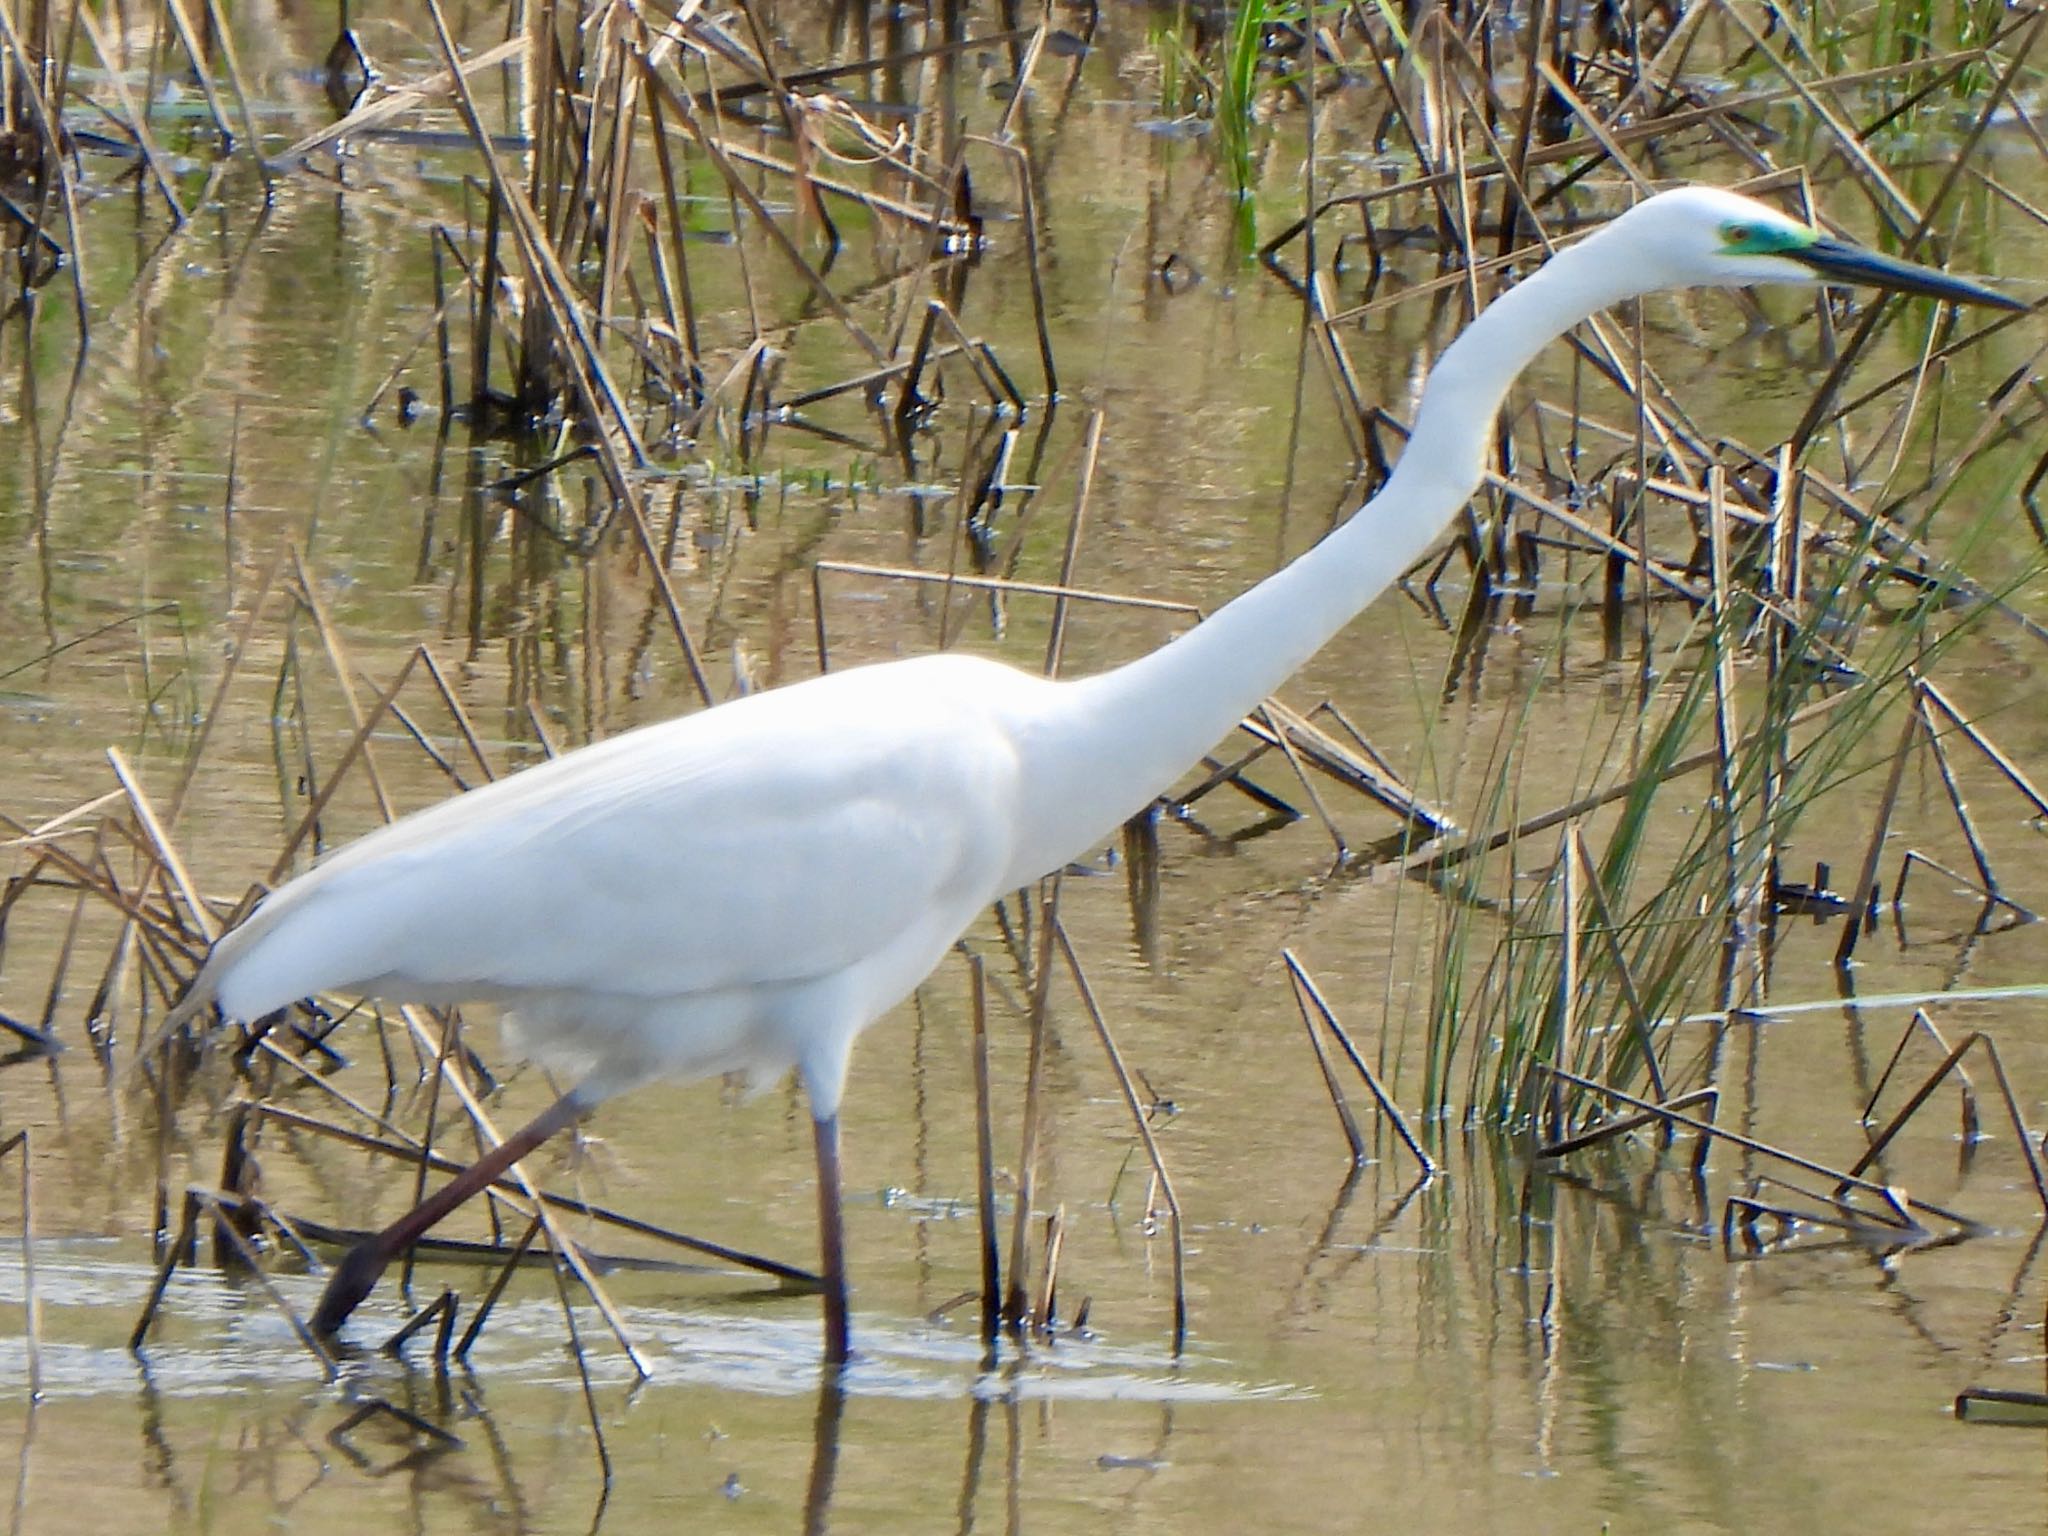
[[1840, 262]]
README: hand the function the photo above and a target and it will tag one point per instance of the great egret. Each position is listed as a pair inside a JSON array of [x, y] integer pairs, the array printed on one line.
[[749, 887]]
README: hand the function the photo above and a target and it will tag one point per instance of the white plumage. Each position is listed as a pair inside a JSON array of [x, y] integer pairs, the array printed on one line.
[[612, 898]]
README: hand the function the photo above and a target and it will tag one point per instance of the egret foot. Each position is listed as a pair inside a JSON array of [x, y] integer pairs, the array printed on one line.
[[356, 1276], [353, 1279]]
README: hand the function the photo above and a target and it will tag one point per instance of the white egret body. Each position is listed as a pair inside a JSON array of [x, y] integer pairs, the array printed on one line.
[[749, 887]]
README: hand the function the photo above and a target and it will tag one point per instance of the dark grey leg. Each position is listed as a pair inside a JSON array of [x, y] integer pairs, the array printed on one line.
[[832, 1240], [356, 1275]]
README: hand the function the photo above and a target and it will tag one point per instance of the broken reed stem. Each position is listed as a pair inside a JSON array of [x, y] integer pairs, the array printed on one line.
[[160, 846], [451, 1026], [570, 1252], [1950, 1063], [1339, 1100], [1624, 974], [1281, 739], [442, 1309], [1138, 1118], [238, 649], [1305, 992], [1931, 694], [366, 723], [31, 1296], [1979, 854], [1864, 894], [1736, 912], [1921, 1022], [1059, 593], [1707, 1128], [1437, 854], [187, 1231], [1608, 1130], [1028, 215], [497, 1287], [1043, 1313], [225, 1225], [556, 1268], [1091, 447], [1565, 1004]]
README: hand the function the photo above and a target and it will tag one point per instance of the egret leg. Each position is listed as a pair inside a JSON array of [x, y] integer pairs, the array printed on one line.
[[832, 1239], [356, 1275]]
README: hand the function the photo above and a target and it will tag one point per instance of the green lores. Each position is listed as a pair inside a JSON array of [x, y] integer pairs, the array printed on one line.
[[1767, 239], [1840, 261]]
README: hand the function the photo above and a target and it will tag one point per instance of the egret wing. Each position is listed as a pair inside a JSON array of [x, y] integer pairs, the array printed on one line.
[[773, 840]]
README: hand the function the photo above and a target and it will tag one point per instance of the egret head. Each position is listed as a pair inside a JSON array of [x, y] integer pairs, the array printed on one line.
[[1708, 237]]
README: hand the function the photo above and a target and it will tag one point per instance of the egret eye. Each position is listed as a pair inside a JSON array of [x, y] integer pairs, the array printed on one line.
[[1737, 234]]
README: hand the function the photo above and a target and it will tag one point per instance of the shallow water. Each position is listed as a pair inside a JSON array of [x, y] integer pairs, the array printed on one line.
[[1566, 1350]]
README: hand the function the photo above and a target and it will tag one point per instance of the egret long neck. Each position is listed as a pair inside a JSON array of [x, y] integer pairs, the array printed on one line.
[[1123, 737]]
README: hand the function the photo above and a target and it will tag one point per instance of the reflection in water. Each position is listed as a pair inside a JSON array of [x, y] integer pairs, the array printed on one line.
[[824, 1454], [1548, 1307]]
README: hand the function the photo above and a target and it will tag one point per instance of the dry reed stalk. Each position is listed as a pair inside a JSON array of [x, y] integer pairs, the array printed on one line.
[[1610, 1129], [1277, 725], [1616, 548], [1951, 1063], [1434, 855], [179, 1245], [556, 1268], [1027, 197], [1306, 992], [1913, 859], [46, 118], [737, 184], [604, 408], [822, 568], [195, 55], [1352, 414], [451, 1029], [1863, 895], [1280, 739], [1339, 1100], [1044, 1314], [223, 34], [1932, 695], [559, 1240], [399, 100], [1979, 855], [1175, 1231], [1895, 1200], [226, 1224], [31, 1295], [1565, 1005], [442, 1311], [1997, 1405], [133, 118], [1743, 1215], [160, 847], [1091, 447], [497, 1288]]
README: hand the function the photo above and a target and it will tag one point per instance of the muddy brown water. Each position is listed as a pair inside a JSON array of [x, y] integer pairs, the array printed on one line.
[[1486, 1351]]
